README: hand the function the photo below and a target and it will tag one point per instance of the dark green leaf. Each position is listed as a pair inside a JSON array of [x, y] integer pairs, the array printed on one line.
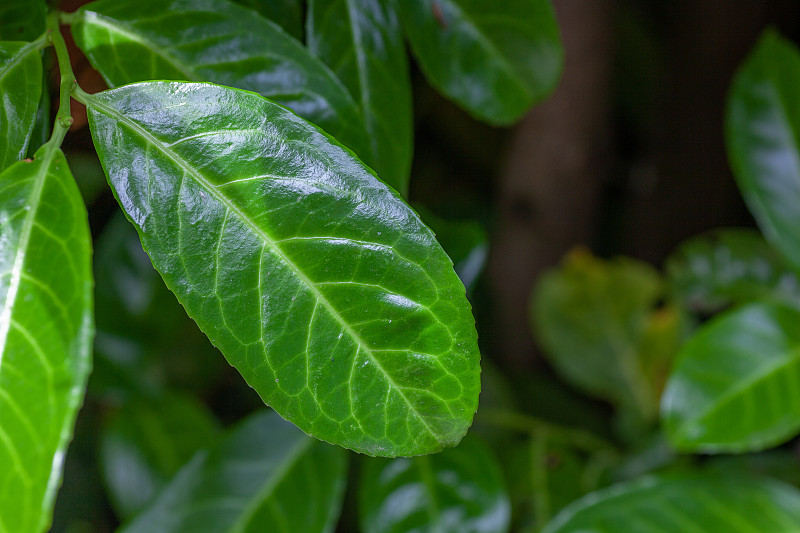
[[318, 283], [20, 87], [763, 127], [495, 59], [22, 20], [685, 504], [362, 42], [459, 491], [220, 42], [782, 464], [265, 476], [45, 332], [736, 384], [41, 125], [147, 442], [710, 272], [288, 14]]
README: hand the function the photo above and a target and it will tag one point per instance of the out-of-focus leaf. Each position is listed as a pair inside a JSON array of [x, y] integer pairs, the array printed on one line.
[[597, 323], [495, 59], [220, 42], [362, 42], [779, 464], [147, 442], [264, 476], [288, 14], [710, 272], [315, 279], [45, 332], [20, 87], [736, 384], [763, 127], [459, 490], [22, 20]]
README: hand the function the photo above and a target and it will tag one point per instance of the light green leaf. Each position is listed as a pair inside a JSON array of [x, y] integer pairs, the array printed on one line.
[[220, 42], [763, 128], [22, 20], [736, 384], [20, 87], [45, 332], [288, 14], [362, 42], [712, 271], [265, 476], [147, 442], [495, 59], [685, 504], [317, 282], [459, 490]]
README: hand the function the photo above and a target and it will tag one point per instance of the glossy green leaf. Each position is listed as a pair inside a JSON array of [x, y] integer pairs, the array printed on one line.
[[264, 476], [710, 272], [41, 124], [22, 20], [459, 490], [763, 127], [362, 42], [685, 504], [20, 87], [288, 14], [495, 59], [317, 282], [147, 442], [220, 42], [45, 332], [597, 324], [736, 383]]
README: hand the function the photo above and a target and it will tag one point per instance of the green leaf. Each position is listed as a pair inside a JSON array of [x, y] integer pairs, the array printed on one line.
[[288, 14], [41, 125], [22, 20], [45, 332], [712, 271], [736, 384], [20, 86], [685, 504], [459, 490], [495, 59], [265, 472], [763, 128], [146, 443], [317, 282], [362, 42], [220, 42]]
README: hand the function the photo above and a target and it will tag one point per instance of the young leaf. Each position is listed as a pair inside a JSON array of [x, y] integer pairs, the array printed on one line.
[[288, 14], [736, 384], [220, 42], [362, 42], [457, 490], [763, 125], [495, 59], [683, 504], [317, 282], [20, 85], [22, 20], [45, 332], [265, 476], [712, 271]]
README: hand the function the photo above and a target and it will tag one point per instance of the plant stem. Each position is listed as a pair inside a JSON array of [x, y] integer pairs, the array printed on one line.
[[63, 116]]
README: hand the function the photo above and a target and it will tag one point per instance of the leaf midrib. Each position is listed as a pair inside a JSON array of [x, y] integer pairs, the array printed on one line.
[[92, 101]]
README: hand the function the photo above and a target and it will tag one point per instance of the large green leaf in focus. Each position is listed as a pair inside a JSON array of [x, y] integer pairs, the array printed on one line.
[[736, 384], [495, 59], [264, 476], [20, 87], [317, 282], [362, 42], [288, 14], [22, 20], [692, 503], [220, 42], [45, 332], [710, 272], [763, 128], [456, 491], [147, 442]]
